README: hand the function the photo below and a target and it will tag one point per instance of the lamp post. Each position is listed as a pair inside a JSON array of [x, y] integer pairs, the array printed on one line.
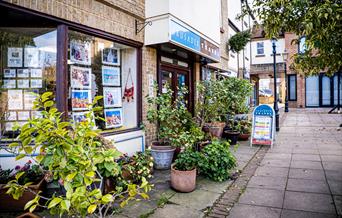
[[275, 105], [285, 56]]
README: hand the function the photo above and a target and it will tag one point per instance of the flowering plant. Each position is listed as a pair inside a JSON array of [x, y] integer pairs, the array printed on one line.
[[32, 173]]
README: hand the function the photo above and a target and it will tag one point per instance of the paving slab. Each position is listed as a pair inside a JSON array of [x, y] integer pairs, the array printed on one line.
[[311, 157], [276, 156], [176, 211], [305, 164], [334, 175], [338, 204], [262, 197], [304, 214], [278, 183], [331, 158], [304, 151], [337, 166], [307, 174], [305, 185], [249, 211], [335, 187], [209, 185], [275, 163], [272, 171], [309, 202]]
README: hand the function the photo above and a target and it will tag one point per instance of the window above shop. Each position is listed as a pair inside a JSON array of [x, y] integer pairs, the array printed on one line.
[[260, 48]]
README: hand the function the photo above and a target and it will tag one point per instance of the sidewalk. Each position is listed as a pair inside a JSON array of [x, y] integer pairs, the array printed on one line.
[[302, 175]]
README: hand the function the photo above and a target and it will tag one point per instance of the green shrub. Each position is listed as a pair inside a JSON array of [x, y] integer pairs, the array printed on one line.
[[187, 160], [217, 161]]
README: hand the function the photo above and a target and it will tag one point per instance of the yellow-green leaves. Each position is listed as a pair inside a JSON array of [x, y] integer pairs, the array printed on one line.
[[107, 198], [92, 208], [54, 202]]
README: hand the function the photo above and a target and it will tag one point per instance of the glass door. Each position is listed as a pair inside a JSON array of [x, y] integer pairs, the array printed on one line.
[[312, 91], [326, 91]]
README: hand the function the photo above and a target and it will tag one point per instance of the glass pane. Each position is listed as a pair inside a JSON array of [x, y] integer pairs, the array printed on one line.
[[27, 68], [293, 88], [166, 79], [99, 67], [312, 89], [326, 90]]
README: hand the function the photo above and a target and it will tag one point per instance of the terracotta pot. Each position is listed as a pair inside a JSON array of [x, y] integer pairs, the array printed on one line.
[[183, 181], [10, 204], [28, 215], [244, 136], [216, 129]]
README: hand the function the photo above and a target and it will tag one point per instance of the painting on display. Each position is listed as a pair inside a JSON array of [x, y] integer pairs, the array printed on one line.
[[112, 97], [9, 84], [23, 83], [80, 77], [15, 99], [31, 57], [110, 76], [111, 56], [23, 73], [36, 83], [29, 97], [80, 53], [14, 57], [11, 115], [38, 73], [113, 117], [80, 99], [23, 115], [9, 73]]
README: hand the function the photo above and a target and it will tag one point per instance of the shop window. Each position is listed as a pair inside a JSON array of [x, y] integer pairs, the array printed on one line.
[[292, 87], [260, 48], [99, 67], [301, 45], [27, 68]]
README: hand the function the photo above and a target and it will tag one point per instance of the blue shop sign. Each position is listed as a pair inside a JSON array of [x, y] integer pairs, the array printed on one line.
[[185, 37]]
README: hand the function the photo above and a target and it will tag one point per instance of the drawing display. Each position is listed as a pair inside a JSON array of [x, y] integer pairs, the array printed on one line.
[[113, 117]]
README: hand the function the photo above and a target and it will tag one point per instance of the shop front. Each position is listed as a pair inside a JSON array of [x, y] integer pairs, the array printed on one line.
[[42, 53]]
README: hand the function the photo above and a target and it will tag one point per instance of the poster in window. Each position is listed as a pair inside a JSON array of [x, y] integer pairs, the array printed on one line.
[[9, 73], [9, 84], [37, 73], [23, 83], [11, 115], [112, 97], [23, 115], [80, 52], [23, 73], [47, 59], [110, 76], [79, 117], [111, 56], [31, 57], [36, 83], [80, 77], [113, 117], [80, 99], [14, 57], [9, 126], [29, 97], [15, 99]]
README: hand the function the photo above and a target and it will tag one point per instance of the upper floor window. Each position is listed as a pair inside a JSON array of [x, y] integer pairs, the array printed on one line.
[[301, 45], [260, 48]]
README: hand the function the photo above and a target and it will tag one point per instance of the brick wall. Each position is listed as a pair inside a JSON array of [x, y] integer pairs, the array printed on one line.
[[113, 16], [292, 49]]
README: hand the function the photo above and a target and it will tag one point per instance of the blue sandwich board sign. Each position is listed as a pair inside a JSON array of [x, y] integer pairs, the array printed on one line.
[[263, 125]]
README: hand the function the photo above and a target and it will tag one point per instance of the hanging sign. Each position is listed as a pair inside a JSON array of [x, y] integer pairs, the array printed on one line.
[[263, 125]]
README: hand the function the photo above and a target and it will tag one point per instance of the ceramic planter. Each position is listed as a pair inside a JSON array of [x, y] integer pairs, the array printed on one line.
[[244, 136], [216, 129], [162, 156], [9, 204], [232, 136], [183, 181]]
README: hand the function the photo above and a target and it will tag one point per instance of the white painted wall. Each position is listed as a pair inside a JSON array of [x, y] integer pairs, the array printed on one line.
[[201, 15], [234, 8], [268, 57], [233, 57]]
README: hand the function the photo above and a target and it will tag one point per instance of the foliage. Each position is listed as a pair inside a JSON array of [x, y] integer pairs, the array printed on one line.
[[5, 175], [140, 165], [238, 41], [245, 126], [15, 39], [74, 155], [187, 160], [32, 173], [217, 161], [319, 21], [175, 123]]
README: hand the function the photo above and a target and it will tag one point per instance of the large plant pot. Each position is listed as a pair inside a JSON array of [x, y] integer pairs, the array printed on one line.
[[216, 129], [244, 136], [8, 204], [232, 136], [183, 181], [162, 156]]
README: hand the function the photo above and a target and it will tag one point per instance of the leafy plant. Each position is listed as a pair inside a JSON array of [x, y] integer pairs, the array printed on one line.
[[217, 161], [139, 166], [75, 155], [238, 41], [245, 126], [187, 160]]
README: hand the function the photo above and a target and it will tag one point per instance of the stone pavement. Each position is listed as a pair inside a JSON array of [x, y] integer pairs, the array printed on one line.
[[302, 175]]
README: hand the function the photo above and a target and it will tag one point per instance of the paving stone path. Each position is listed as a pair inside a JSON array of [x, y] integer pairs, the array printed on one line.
[[302, 175]]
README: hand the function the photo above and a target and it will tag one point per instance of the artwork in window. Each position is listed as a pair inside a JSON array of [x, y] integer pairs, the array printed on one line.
[[29, 97], [23, 83], [79, 117], [113, 117], [9, 84], [23, 73], [14, 57], [23, 115], [9, 73], [80, 99], [9, 126], [111, 56], [112, 97], [110, 76], [80, 52], [31, 57], [11, 115], [15, 99], [36, 73], [36, 114], [36, 83], [80, 77]]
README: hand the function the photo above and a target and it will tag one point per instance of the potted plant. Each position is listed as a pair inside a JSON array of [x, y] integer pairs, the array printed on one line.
[[28, 173], [245, 129], [232, 131], [184, 170]]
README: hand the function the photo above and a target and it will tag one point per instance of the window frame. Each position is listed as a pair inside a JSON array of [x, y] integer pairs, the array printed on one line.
[[62, 81], [263, 48], [289, 87]]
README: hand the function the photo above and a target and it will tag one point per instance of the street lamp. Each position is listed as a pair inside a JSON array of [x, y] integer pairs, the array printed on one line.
[[285, 56], [275, 105]]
